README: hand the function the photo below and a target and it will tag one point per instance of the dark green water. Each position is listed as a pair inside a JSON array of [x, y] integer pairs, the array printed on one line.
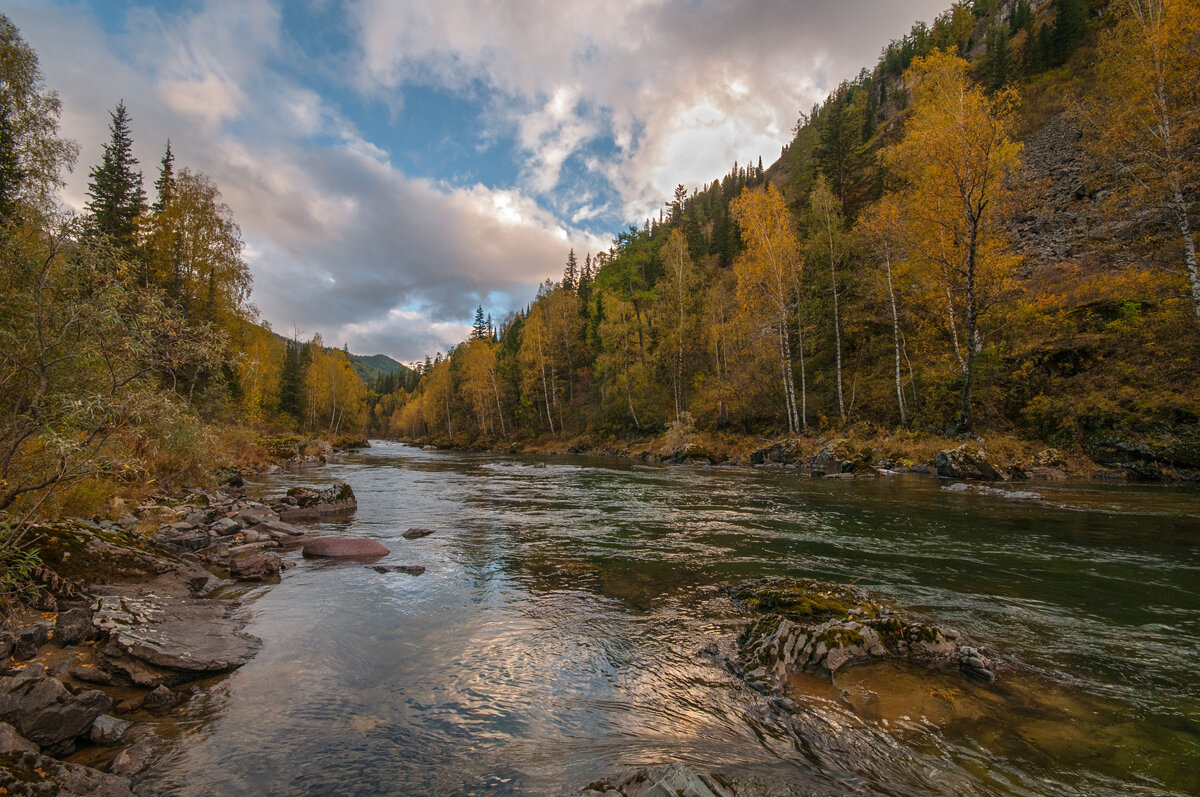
[[554, 637]]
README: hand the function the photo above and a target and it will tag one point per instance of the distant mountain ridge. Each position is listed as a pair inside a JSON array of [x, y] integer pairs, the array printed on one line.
[[369, 367]]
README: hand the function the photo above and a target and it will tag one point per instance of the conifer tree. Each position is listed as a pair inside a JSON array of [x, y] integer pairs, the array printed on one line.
[[479, 329], [164, 186], [116, 197], [570, 279]]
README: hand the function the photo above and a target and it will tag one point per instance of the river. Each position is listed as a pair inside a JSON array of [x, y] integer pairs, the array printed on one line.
[[553, 639]]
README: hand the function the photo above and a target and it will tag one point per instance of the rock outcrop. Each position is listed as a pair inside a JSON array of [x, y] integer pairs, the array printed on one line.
[[968, 461], [153, 641], [311, 504]]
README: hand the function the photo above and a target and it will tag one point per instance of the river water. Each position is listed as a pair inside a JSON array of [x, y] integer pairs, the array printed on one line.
[[554, 638]]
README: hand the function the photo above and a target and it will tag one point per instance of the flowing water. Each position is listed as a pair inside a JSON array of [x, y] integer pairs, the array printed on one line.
[[554, 638]]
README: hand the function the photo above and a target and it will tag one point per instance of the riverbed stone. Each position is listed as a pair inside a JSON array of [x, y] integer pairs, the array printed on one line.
[[13, 742], [45, 712], [153, 641], [278, 530], [160, 697], [135, 758], [36, 774], [256, 566], [108, 730], [226, 526], [30, 639], [344, 547], [73, 626], [416, 533]]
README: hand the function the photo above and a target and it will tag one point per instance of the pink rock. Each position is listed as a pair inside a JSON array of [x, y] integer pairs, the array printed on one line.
[[348, 547]]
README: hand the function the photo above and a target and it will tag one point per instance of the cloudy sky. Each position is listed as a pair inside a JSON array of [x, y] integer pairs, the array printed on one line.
[[394, 164]]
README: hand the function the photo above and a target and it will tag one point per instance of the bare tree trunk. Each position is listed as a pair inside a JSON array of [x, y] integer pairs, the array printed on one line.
[[789, 385], [546, 394], [1189, 246], [499, 411], [887, 260], [837, 332]]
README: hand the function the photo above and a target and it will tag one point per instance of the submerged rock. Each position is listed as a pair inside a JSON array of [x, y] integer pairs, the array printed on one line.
[[416, 533], [673, 780], [412, 570], [811, 627], [983, 489], [344, 548]]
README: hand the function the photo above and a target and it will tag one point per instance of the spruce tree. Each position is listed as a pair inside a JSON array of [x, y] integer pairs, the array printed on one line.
[[479, 329], [164, 186], [570, 279], [116, 196]]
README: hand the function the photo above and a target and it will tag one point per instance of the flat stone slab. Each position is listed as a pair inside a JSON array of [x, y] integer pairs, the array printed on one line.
[[344, 548], [183, 636]]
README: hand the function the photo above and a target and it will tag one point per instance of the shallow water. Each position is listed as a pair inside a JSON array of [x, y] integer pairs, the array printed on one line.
[[554, 637]]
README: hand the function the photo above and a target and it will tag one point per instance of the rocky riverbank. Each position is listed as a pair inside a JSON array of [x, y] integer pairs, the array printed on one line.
[[867, 452], [134, 627]]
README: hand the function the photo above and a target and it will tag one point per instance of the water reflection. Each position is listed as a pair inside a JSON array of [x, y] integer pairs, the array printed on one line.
[[554, 637]]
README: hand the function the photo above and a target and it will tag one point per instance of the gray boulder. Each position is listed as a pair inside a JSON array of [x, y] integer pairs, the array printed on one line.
[[344, 547], [312, 503], [73, 626], [968, 461], [30, 639], [108, 730], [45, 712], [226, 526]]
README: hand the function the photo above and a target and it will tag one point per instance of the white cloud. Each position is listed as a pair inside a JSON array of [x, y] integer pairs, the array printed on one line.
[[683, 87]]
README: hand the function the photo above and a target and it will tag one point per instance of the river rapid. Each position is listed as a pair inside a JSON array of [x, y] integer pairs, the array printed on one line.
[[555, 637]]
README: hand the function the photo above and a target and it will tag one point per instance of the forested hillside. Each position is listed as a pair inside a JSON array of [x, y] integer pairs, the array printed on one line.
[[988, 231]]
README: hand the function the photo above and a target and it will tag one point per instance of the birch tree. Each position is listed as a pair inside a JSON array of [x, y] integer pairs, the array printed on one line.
[[955, 157], [1145, 117], [765, 275]]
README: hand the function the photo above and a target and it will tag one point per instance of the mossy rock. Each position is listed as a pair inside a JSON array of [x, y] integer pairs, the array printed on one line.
[[282, 447], [801, 599]]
